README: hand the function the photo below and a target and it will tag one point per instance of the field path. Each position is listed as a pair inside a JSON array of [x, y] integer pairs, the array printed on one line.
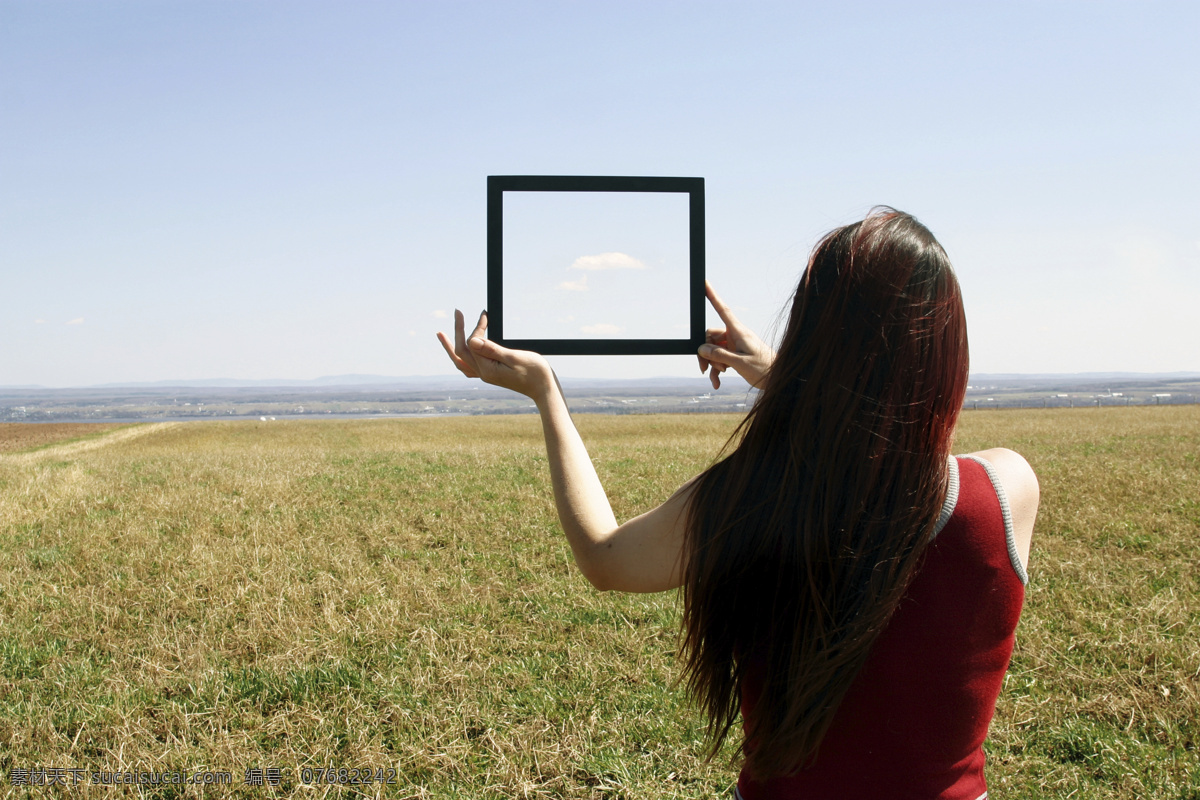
[[75, 448]]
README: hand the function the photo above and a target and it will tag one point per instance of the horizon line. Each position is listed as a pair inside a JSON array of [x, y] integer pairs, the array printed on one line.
[[359, 379]]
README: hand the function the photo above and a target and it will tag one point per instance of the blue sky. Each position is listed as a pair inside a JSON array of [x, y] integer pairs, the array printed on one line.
[[288, 190]]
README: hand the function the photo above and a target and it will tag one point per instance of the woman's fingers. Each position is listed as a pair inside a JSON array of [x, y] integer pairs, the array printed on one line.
[[715, 336], [460, 334], [719, 306], [714, 376], [720, 357], [460, 344], [481, 326], [461, 365], [459, 353]]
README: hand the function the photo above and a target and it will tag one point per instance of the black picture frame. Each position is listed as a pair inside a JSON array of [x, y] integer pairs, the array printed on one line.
[[497, 185]]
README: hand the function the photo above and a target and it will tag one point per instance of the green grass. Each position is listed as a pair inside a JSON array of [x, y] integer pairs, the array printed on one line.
[[397, 594]]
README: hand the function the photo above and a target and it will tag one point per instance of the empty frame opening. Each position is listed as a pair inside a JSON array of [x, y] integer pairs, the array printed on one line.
[[596, 265]]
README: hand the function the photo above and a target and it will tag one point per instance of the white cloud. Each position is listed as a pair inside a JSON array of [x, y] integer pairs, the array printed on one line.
[[412, 333], [607, 261], [39, 322], [601, 329], [575, 286], [76, 321], [440, 314]]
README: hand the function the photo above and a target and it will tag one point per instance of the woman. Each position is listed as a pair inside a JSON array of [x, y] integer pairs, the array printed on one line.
[[848, 587]]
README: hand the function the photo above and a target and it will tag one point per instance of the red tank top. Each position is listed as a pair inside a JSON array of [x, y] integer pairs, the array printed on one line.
[[913, 723]]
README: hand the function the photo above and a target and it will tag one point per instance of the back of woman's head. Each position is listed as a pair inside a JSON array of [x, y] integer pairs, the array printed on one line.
[[804, 538], [878, 314]]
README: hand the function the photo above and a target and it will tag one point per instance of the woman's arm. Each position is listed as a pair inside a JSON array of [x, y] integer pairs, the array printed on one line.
[[640, 556], [643, 555]]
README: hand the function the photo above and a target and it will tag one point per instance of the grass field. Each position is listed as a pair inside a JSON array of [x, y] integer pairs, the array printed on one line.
[[396, 594]]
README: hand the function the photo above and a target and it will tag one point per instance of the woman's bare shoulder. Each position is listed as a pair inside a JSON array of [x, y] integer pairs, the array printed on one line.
[[1022, 490], [1014, 471]]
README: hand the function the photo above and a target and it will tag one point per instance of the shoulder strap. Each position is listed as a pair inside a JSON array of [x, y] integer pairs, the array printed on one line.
[[1009, 538]]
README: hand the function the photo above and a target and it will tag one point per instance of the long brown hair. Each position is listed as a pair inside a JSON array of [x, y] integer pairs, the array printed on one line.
[[802, 540]]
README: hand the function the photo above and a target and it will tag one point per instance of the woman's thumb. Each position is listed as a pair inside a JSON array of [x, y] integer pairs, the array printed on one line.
[[486, 348]]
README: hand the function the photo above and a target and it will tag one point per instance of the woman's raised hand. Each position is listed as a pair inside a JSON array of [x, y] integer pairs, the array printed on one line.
[[519, 370], [735, 346]]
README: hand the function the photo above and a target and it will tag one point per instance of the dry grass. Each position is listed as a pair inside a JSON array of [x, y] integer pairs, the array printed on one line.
[[18, 436], [397, 594]]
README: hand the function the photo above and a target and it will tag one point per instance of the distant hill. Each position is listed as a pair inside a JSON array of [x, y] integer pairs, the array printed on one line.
[[326, 380], [407, 382], [1081, 377]]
